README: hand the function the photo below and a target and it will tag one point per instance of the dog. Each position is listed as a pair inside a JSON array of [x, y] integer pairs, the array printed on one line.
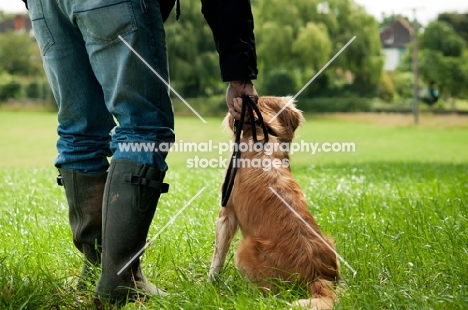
[[276, 246]]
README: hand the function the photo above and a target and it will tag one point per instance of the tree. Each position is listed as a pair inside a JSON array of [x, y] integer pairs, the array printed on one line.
[[459, 23], [19, 54], [310, 39], [441, 60], [448, 72], [293, 43], [387, 20], [301, 38], [364, 56], [193, 61], [439, 36]]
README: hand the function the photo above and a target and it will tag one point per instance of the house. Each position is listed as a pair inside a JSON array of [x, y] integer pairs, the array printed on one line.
[[20, 23], [394, 40]]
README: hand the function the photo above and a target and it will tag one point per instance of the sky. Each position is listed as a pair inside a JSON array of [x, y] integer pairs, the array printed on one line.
[[427, 10]]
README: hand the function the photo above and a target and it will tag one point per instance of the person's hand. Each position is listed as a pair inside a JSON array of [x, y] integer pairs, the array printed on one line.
[[234, 92]]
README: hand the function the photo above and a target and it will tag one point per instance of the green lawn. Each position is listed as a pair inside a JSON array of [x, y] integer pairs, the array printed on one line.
[[397, 209]]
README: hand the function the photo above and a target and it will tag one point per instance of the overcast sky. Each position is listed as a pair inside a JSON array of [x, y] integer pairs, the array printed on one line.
[[427, 9]]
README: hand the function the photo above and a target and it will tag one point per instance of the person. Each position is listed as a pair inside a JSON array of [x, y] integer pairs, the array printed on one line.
[[431, 94], [100, 86]]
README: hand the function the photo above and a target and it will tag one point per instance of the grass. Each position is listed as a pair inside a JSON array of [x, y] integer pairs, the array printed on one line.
[[397, 209]]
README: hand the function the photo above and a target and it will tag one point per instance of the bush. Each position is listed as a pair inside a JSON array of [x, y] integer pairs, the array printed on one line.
[[38, 90], [403, 82], [386, 88], [211, 106], [279, 83], [9, 88], [216, 106], [331, 105], [33, 90]]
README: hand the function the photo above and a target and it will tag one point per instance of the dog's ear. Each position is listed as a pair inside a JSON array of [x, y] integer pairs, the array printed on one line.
[[291, 115], [281, 114]]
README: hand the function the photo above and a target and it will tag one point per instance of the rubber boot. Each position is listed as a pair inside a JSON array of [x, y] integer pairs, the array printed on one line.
[[130, 199], [84, 195]]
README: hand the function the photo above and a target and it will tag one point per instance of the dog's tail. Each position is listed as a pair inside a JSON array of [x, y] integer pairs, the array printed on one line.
[[324, 297], [321, 303], [323, 291]]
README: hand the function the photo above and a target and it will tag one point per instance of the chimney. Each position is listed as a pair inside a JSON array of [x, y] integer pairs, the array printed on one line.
[[19, 23]]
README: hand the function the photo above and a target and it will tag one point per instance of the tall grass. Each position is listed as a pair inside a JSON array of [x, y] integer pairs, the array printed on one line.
[[397, 209]]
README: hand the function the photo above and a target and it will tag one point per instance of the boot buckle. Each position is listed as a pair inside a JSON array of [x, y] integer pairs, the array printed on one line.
[[139, 180], [60, 180]]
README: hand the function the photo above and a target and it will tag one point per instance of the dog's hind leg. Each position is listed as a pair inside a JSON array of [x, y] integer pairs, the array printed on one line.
[[254, 262], [226, 227]]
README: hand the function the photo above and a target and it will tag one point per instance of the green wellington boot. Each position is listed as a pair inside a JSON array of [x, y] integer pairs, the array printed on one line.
[[84, 195], [130, 199]]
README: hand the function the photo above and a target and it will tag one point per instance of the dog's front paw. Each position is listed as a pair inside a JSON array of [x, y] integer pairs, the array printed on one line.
[[213, 275]]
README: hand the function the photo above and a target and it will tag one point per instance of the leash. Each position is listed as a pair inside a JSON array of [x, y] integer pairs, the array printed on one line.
[[248, 106]]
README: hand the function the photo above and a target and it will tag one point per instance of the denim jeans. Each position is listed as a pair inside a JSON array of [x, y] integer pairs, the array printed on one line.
[[97, 80]]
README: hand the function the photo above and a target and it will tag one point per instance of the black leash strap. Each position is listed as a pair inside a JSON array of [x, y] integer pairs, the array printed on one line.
[[248, 105]]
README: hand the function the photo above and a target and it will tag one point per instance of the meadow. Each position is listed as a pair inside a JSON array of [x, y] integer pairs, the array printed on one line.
[[397, 209]]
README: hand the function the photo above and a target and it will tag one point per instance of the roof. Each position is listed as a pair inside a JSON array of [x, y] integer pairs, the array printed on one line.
[[398, 34], [19, 23]]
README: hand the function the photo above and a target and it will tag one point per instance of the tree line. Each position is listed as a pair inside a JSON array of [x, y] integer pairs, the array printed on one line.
[[294, 41]]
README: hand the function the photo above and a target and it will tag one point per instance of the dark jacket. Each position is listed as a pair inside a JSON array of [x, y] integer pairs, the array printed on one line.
[[232, 24]]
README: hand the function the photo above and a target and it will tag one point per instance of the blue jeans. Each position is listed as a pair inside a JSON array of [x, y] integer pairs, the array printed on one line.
[[96, 79]]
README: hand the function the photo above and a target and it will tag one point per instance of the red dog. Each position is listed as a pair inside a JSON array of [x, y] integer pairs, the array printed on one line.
[[276, 243]]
